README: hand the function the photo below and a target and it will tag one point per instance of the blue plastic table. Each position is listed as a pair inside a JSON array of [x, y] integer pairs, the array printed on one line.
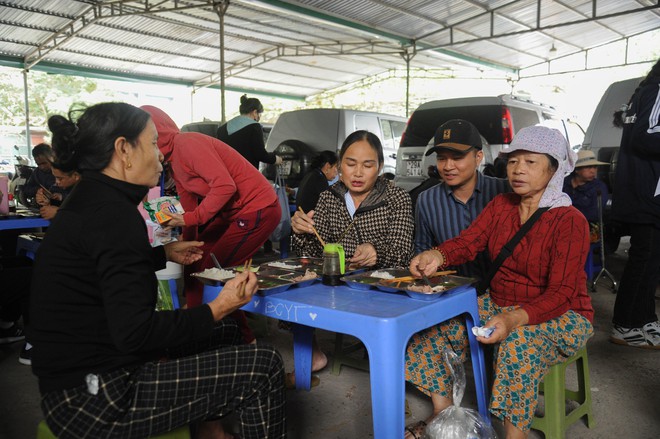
[[23, 223], [384, 322]]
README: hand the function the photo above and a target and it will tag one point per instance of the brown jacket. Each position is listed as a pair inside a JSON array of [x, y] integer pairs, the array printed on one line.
[[384, 219]]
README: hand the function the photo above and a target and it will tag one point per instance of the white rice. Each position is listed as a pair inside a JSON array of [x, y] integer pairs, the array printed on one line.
[[381, 275], [283, 265], [217, 273]]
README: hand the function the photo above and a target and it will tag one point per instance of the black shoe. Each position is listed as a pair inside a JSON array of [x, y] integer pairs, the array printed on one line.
[[12, 334], [25, 357]]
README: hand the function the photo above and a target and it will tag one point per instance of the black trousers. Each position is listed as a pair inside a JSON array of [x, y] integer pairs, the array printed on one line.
[[635, 300], [15, 274], [157, 397]]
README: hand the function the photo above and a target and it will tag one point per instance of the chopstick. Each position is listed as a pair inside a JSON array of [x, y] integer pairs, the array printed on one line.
[[246, 269], [48, 193], [343, 235], [313, 228]]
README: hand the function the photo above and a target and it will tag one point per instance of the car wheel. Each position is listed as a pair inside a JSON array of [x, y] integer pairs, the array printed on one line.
[[297, 157]]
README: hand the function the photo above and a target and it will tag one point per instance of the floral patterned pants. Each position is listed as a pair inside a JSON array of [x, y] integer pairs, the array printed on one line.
[[520, 362]]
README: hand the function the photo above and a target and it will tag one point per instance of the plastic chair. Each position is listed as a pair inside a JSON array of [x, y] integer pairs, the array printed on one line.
[[43, 432], [341, 355], [555, 420], [593, 264]]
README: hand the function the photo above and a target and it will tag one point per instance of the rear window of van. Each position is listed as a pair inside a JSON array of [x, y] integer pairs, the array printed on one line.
[[423, 123]]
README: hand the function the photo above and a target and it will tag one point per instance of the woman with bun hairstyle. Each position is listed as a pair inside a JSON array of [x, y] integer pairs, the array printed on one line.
[[245, 134], [108, 364]]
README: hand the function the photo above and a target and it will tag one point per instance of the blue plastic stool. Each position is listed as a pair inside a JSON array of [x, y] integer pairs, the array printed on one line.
[[43, 432], [555, 421], [593, 266]]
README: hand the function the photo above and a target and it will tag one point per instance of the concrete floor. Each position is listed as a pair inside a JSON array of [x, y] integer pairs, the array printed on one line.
[[625, 385]]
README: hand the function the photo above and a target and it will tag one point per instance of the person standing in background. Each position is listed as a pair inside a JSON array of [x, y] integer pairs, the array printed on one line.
[[636, 202], [245, 134], [228, 204]]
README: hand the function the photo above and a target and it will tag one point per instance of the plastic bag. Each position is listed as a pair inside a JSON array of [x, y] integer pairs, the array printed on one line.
[[456, 422], [283, 228]]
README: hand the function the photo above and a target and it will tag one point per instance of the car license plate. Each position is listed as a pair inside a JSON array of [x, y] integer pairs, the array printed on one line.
[[285, 167], [413, 168]]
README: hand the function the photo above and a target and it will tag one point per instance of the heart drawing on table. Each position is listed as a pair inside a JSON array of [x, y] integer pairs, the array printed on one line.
[[313, 315]]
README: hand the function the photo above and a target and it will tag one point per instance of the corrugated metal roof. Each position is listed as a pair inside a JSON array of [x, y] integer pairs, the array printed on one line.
[[304, 47]]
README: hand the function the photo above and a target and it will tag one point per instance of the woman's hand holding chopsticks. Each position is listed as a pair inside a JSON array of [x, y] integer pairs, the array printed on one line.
[[302, 222], [229, 299]]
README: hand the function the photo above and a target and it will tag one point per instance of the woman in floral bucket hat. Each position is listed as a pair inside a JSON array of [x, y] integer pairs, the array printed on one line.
[[536, 303]]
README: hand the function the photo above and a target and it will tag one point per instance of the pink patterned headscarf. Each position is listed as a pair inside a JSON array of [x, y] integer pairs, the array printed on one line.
[[550, 141]]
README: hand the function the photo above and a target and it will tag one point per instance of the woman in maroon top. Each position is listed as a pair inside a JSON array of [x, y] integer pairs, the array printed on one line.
[[537, 302]]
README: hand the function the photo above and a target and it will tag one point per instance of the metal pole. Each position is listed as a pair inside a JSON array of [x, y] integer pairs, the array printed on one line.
[[407, 56], [27, 115], [603, 271], [220, 8]]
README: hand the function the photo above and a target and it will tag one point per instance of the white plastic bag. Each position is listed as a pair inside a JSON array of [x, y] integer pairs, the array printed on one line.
[[456, 422]]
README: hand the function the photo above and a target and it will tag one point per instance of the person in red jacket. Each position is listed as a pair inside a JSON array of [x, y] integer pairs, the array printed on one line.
[[228, 203]]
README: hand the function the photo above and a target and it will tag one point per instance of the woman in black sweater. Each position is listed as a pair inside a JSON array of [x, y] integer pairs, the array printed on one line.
[[324, 171], [108, 364], [245, 134]]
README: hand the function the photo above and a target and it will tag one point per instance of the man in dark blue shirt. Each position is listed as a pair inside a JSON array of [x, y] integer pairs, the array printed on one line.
[[445, 210]]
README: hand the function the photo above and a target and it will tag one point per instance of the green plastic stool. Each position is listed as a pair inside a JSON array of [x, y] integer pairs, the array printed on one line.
[[342, 355], [43, 432], [555, 421]]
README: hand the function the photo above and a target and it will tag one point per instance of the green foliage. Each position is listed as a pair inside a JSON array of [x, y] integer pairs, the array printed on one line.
[[48, 94]]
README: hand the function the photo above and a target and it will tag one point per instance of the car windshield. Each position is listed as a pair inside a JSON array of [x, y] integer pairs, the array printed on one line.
[[423, 123]]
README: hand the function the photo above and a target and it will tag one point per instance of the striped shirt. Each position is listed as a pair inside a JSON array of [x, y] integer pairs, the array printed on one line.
[[440, 216]]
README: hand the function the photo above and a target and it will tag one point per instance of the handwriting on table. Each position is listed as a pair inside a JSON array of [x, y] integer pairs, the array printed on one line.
[[287, 312]]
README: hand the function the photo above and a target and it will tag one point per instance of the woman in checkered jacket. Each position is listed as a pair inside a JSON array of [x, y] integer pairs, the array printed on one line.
[[363, 211]]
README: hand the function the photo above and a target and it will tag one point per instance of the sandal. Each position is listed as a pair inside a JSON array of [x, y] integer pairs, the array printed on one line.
[[417, 429], [290, 381]]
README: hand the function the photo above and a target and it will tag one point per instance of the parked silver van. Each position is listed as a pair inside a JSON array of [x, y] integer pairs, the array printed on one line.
[[602, 137], [497, 118], [299, 135]]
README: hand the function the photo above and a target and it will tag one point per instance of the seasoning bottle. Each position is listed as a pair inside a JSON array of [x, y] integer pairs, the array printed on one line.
[[12, 203]]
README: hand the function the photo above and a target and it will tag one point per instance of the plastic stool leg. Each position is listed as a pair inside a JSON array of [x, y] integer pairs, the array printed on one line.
[[552, 424], [174, 293], [43, 432]]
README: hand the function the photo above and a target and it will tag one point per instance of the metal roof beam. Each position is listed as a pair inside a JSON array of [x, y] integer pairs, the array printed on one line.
[[96, 12], [550, 26]]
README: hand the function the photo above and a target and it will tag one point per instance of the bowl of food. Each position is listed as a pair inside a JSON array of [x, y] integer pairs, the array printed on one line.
[[423, 291]]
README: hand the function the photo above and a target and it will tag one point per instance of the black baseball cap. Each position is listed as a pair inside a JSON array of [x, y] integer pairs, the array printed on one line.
[[456, 135]]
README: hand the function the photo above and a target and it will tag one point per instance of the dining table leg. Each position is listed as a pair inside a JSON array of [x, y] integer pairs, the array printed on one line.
[[302, 355]]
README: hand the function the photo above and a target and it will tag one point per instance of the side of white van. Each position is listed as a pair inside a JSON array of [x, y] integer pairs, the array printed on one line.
[[299, 135], [604, 139]]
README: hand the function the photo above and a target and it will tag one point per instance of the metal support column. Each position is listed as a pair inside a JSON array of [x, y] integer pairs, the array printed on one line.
[[220, 9], [28, 139], [407, 56]]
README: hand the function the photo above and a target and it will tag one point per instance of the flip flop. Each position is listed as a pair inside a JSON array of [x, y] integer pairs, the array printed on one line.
[[290, 381], [417, 429]]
